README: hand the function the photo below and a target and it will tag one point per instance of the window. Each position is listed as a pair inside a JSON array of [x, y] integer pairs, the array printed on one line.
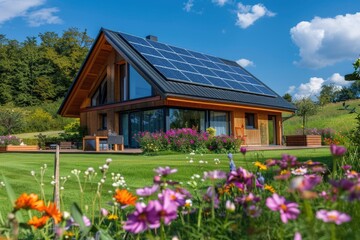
[[219, 121], [138, 86], [100, 95], [250, 121], [123, 83], [103, 121], [184, 118]]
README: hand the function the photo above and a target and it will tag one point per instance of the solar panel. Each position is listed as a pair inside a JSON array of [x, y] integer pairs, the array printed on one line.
[[171, 55], [197, 78], [172, 74], [180, 51], [193, 67], [183, 66], [159, 61]]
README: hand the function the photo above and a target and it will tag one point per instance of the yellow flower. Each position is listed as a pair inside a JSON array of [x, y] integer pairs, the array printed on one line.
[[260, 165], [113, 217], [284, 172], [269, 188]]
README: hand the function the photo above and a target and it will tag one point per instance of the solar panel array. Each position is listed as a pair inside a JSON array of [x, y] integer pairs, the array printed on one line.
[[187, 66]]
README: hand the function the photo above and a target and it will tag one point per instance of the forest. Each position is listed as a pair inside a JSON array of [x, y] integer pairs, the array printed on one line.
[[35, 76]]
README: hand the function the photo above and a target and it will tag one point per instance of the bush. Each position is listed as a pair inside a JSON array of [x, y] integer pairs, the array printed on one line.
[[9, 140], [186, 140]]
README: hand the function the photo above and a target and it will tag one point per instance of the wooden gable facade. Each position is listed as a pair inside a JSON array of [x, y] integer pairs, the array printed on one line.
[[101, 97]]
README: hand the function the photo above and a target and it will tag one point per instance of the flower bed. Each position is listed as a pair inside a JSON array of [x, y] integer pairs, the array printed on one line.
[[186, 140]]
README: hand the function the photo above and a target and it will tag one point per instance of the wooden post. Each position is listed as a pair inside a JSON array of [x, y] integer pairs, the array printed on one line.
[[57, 178]]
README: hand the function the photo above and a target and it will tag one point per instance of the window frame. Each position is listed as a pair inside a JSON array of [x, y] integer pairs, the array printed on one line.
[[251, 123]]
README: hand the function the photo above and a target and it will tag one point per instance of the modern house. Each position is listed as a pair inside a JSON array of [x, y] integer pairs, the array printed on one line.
[[129, 84]]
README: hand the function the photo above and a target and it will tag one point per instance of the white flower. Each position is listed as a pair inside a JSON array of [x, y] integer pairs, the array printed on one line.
[[66, 215], [230, 206], [86, 173], [102, 180], [192, 153], [52, 182], [109, 160], [191, 161], [196, 175], [105, 167], [188, 203], [45, 165], [299, 171], [61, 188], [201, 161], [32, 173]]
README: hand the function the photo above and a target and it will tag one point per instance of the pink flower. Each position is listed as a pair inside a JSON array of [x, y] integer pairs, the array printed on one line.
[[253, 211], [297, 236], [243, 150], [288, 210], [337, 150], [170, 197], [165, 171], [216, 174], [147, 191], [333, 216]]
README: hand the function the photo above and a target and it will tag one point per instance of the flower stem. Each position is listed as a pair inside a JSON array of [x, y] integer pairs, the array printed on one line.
[[333, 232]]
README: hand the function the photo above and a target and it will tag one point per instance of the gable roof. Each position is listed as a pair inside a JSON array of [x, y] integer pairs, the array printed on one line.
[[170, 81]]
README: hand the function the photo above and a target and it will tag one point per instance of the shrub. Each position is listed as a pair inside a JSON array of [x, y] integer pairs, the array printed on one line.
[[224, 144], [9, 140]]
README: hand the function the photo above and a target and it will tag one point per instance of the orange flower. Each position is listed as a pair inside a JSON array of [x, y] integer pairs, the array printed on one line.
[[29, 202], [38, 222], [53, 212], [124, 197]]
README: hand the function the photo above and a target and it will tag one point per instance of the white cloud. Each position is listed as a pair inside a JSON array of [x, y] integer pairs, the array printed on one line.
[[43, 16], [313, 87], [220, 2], [326, 41], [10, 9], [247, 14], [188, 5], [245, 62], [291, 89]]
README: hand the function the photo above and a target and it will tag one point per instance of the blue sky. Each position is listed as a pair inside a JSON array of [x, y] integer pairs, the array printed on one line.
[[292, 46]]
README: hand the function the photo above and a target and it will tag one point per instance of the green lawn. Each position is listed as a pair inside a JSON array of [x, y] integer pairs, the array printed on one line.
[[33, 134], [137, 169]]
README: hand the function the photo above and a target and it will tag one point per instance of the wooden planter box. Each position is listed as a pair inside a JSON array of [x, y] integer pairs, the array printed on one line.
[[303, 140], [20, 148]]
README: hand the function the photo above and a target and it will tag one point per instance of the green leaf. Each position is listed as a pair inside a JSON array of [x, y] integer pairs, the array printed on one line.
[[78, 218], [104, 235], [12, 198]]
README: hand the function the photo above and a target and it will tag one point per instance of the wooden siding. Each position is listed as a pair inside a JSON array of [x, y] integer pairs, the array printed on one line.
[[303, 140]]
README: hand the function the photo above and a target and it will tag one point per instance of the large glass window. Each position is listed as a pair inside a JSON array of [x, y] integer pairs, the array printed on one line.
[[219, 121], [100, 95], [138, 86], [125, 128], [184, 118], [153, 120]]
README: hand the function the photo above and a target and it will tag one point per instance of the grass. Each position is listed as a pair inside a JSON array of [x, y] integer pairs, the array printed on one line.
[[33, 134], [137, 169], [332, 115]]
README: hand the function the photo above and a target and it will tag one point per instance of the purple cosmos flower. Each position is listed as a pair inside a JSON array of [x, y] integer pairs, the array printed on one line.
[[143, 218], [243, 150], [247, 199], [208, 197], [337, 150], [288, 210], [165, 171], [147, 191], [333, 216], [166, 210], [253, 211], [346, 167], [216, 174], [170, 197], [241, 178]]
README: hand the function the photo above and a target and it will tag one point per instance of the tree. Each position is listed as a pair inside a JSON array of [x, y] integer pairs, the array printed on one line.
[[327, 94], [11, 120], [287, 97], [305, 108]]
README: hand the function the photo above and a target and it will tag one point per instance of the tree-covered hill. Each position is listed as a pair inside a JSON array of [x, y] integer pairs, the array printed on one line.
[[40, 69]]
